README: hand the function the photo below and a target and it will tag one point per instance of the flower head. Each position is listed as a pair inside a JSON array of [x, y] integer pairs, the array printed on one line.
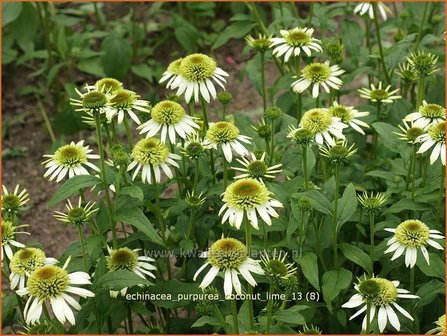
[[126, 259], [276, 268], [108, 85], [124, 102], [338, 153], [171, 72], [260, 43], [379, 95], [149, 155], [294, 41], [69, 159], [382, 294], [263, 130], [9, 231], [230, 256], [24, 262], [333, 47], [410, 133], [440, 326], [424, 64], [248, 197], [317, 74], [228, 137], [91, 102], [435, 136], [407, 73], [273, 113], [372, 202], [194, 146], [224, 97], [409, 236], [194, 201], [427, 115], [195, 75], [76, 215], [13, 202], [322, 125], [256, 168], [367, 8], [312, 330], [349, 115], [302, 136], [55, 285], [171, 119]]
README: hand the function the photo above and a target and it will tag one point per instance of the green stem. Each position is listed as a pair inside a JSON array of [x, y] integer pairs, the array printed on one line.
[[368, 317], [335, 223], [286, 299], [317, 102], [224, 111], [421, 26], [250, 288], [225, 170], [371, 238], [298, 95], [220, 317], [302, 233], [269, 309], [235, 318], [196, 176], [104, 177], [264, 98], [114, 132], [204, 114], [129, 319], [379, 41], [191, 225], [311, 13], [413, 171], [47, 121], [421, 91], [305, 172], [412, 280], [440, 210], [128, 132], [317, 236], [272, 142], [176, 173], [81, 241]]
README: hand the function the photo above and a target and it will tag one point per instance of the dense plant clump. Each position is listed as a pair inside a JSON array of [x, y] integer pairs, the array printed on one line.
[[193, 217]]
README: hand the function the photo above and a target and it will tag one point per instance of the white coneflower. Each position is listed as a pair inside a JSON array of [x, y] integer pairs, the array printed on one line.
[[126, 259], [349, 115], [410, 133], [378, 94], [196, 75], [339, 153], [230, 256], [194, 146], [295, 41], [248, 197], [124, 102], [227, 135], [171, 119], [382, 295], [194, 201], [260, 43], [427, 115], [367, 8], [424, 64], [69, 159], [151, 154], [276, 267], [372, 202], [107, 85], [24, 262], [256, 168], [317, 74], [55, 285], [322, 125], [13, 202], [409, 236], [435, 136], [440, 326], [77, 215], [171, 73], [406, 73], [9, 231], [91, 102]]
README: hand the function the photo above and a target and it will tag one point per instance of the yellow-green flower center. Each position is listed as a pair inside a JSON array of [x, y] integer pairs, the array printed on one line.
[[70, 155], [47, 282], [108, 85], [174, 66], [194, 201], [432, 111], [167, 112], [246, 193], [227, 253], [197, 67], [441, 324], [316, 120], [423, 64], [437, 132], [257, 168], [123, 99], [122, 259], [276, 268], [378, 290], [150, 151], [77, 216], [379, 94], [222, 132], [94, 100], [27, 260], [297, 37], [342, 112], [194, 149], [317, 72], [412, 233], [10, 202], [8, 231], [413, 133]]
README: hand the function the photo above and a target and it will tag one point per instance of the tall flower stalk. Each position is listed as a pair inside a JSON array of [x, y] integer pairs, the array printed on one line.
[[379, 42]]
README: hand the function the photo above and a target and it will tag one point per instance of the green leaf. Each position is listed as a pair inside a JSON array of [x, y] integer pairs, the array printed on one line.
[[404, 205], [290, 316], [73, 186], [206, 320], [136, 218], [436, 267], [180, 293], [309, 266], [120, 279], [388, 138], [134, 192], [236, 30], [185, 33], [356, 255], [318, 201], [333, 283], [428, 293], [386, 175], [117, 56], [352, 37], [143, 71], [347, 205], [10, 12], [25, 27], [67, 121], [92, 66]]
